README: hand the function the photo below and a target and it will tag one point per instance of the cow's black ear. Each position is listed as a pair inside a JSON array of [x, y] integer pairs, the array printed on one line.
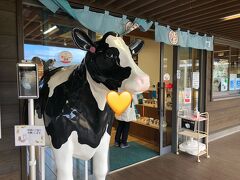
[[82, 40], [136, 46]]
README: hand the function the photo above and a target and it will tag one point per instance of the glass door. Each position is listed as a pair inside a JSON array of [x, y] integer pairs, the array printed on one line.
[[165, 89], [179, 90]]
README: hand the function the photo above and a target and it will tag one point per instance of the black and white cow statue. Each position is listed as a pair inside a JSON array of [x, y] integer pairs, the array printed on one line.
[[73, 106]]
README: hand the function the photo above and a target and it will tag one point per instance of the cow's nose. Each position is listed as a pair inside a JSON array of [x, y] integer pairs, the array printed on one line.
[[143, 82]]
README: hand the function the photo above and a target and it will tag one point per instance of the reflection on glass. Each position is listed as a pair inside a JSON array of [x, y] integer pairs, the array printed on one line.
[[166, 122], [226, 72], [188, 80]]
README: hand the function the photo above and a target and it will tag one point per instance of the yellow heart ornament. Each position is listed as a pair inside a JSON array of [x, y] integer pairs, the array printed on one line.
[[119, 102]]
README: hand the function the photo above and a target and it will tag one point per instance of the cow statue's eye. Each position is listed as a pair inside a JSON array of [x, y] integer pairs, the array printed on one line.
[[109, 54]]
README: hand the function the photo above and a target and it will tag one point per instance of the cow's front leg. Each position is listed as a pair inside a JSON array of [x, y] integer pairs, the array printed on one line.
[[100, 158], [64, 161]]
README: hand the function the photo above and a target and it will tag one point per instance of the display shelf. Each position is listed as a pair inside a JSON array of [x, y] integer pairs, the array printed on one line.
[[192, 134], [148, 105], [193, 118], [144, 124], [202, 120]]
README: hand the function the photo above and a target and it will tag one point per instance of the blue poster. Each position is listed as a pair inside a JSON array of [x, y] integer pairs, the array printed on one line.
[[237, 83], [232, 82], [231, 85]]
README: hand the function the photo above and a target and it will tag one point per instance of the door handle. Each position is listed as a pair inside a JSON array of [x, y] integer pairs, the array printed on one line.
[[163, 93]]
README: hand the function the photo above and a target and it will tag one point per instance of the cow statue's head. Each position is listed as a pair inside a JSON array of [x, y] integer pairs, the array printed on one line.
[[109, 61]]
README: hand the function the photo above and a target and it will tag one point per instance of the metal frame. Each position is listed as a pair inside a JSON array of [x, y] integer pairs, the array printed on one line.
[[172, 147], [198, 134], [0, 122], [37, 86]]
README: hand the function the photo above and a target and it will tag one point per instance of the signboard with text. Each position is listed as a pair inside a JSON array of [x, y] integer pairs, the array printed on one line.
[[29, 135]]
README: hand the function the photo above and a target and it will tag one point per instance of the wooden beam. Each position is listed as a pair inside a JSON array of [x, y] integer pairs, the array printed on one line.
[[121, 4], [222, 26], [152, 6], [148, 34], [139, 4], [34, 29], [217, 23], [187, 10], [171, 8], [214, 14], [109, 2], [41, 41], [233, 31], [31, 20]]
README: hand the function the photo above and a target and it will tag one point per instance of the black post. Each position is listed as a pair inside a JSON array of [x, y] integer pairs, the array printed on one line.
[[174, 99]]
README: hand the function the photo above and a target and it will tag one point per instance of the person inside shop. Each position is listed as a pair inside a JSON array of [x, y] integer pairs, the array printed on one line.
[[124, 124]]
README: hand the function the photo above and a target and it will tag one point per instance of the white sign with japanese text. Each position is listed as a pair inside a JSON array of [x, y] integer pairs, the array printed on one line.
[[29, 135], [195, 80]]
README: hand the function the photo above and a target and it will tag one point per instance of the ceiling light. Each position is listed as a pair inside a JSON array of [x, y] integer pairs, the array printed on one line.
[[50, 30], [235, 16]]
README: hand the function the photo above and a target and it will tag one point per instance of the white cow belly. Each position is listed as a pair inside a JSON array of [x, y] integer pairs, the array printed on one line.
[[85, 152], [81, 151]]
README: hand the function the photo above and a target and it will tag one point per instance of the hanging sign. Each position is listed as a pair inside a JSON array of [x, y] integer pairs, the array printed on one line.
[[29, 135], [187, 95], [195, 80], [173, 37], [66, 57]]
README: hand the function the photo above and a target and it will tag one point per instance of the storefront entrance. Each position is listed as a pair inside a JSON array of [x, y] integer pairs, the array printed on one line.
[[179, 89], [175, 75]]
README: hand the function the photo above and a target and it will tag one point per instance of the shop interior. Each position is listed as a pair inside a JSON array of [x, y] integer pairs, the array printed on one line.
[[143, 137]]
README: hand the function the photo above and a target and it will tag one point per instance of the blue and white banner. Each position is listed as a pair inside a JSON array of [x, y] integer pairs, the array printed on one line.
[[182, 38], [97, 22]]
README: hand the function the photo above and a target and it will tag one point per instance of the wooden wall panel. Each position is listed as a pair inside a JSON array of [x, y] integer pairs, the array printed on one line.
[[9, 68], [8, 5], [10, 165], [8, 159], [11, 176], [7, 142], [8, 93], [9, 115], [8, 46], [8, 20]]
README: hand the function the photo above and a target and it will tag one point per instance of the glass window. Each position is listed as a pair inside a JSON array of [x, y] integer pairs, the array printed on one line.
[[188, 79], [226, 72], [47, 39]]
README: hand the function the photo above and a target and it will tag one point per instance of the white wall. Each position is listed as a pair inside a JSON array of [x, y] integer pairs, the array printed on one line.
[[149, 60]]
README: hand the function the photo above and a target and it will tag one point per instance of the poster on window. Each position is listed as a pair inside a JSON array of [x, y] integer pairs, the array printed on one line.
[[187, 95], [195, 80], [238, 82], [224, 84], [232, 81]]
